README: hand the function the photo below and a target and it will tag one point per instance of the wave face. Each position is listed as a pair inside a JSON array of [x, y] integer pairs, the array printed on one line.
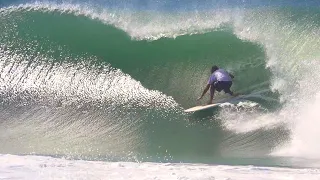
[[109, 81]]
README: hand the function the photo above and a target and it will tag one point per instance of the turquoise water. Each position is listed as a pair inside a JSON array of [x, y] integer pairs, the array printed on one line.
[[110, 82]]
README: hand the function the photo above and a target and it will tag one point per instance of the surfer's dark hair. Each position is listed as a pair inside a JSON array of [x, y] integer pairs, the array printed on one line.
[[214, 68]]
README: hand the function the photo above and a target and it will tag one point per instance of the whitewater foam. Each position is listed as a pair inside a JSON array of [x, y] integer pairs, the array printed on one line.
[[37, 167]]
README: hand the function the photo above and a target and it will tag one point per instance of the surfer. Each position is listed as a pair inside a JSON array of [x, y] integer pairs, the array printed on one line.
[[219, 80]]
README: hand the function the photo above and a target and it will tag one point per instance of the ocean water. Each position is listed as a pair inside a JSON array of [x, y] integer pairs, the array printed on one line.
[[97, 89]]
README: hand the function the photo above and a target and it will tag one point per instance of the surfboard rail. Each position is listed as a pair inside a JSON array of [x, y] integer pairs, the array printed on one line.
[[204, 107]]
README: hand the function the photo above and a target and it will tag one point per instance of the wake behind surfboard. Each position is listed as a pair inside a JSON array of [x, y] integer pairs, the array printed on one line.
[[204, 107]]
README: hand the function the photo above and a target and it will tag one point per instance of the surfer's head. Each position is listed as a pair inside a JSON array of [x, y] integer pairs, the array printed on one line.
[[214, 68]]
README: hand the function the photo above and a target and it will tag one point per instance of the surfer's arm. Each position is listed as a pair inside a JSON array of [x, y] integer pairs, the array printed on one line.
[[204, 91]]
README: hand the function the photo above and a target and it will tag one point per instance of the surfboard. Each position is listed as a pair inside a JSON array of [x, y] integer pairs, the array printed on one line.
[[204, 107]]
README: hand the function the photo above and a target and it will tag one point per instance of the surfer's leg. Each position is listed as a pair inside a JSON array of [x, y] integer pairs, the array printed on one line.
[[226, 87], [212, 89], [229, 91], [216, 86]]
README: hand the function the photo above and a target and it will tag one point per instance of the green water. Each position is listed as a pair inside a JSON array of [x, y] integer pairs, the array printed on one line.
[[84, 87]]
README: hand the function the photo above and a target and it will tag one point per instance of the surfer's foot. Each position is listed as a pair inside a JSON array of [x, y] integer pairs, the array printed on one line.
[[210, 102]]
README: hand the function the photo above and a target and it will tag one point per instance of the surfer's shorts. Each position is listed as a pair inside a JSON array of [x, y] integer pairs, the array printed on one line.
[[222, 85]]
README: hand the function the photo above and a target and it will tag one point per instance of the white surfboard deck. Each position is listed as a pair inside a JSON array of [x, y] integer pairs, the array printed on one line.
[[200, 108]]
